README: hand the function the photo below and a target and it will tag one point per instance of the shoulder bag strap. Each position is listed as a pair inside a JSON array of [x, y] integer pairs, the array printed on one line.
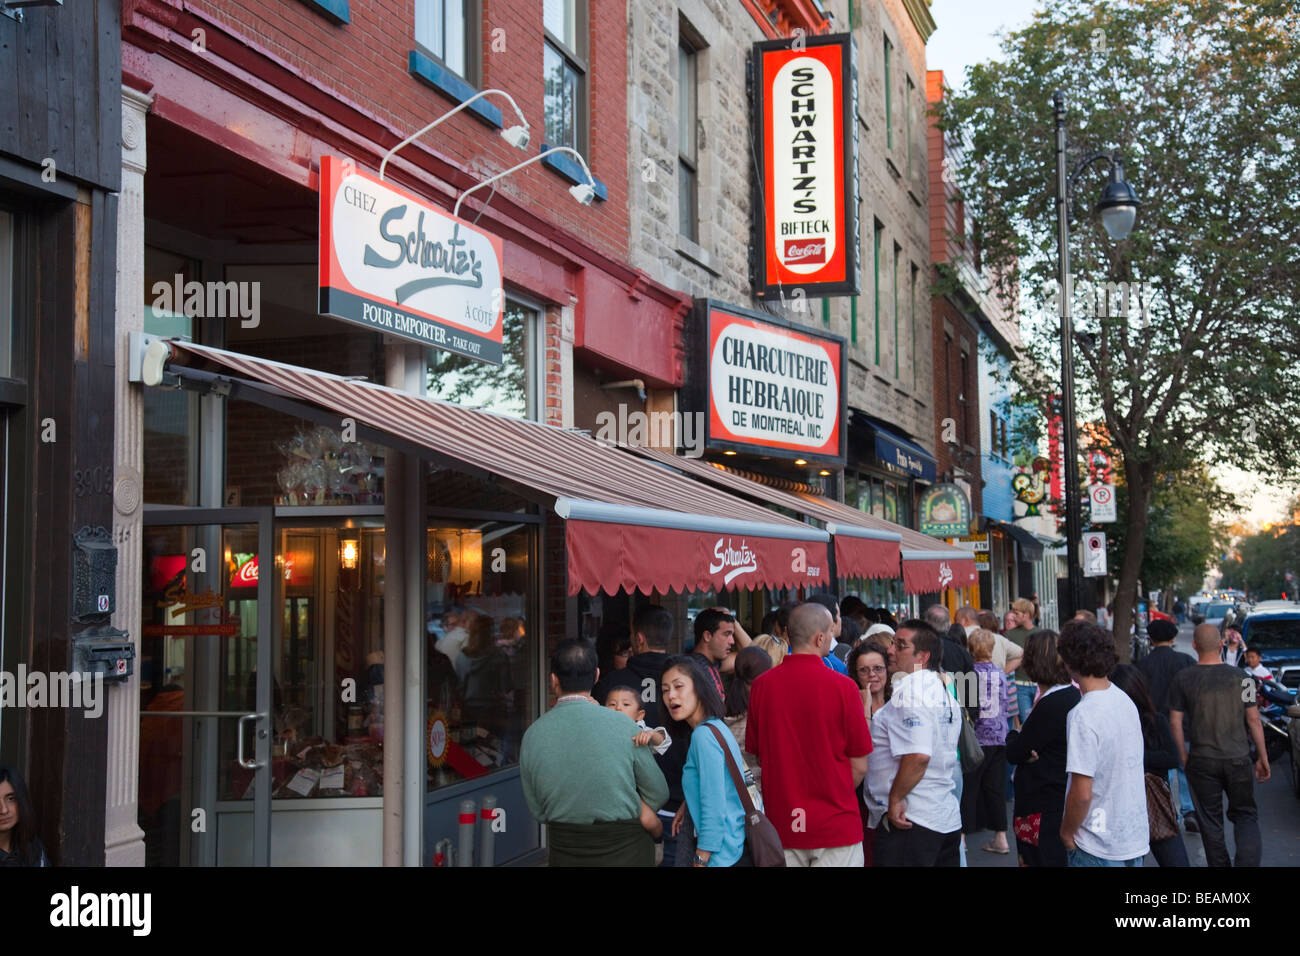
[[736, 778]]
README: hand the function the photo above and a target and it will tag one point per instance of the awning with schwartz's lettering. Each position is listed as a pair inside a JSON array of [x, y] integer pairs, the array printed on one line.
[[693, 537]]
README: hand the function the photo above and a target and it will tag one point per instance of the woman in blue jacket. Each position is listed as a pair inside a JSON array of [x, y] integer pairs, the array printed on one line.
[[692, 707]]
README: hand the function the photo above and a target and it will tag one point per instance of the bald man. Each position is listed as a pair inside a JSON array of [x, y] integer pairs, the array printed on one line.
[[1219, 703], [807, 728]]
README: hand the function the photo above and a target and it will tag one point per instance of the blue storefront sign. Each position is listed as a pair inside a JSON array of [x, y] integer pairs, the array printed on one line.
[[901, 453]]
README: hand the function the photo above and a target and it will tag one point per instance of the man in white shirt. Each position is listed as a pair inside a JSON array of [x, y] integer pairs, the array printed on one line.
[[1105, 821], [909, 787], [1006, 654]]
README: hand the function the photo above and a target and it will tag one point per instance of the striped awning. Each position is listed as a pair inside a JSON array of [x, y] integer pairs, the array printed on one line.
[[865, 546], [628, 523]]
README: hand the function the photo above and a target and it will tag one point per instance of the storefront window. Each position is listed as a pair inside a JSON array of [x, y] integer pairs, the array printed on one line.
[[481, 652], [170, 415], [508, 388]]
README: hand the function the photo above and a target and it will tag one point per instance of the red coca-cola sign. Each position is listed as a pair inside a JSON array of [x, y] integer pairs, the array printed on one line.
[[805, 250]]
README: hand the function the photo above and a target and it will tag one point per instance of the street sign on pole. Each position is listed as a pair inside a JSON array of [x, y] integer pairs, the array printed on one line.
[[1094, 555], [1103, 503]]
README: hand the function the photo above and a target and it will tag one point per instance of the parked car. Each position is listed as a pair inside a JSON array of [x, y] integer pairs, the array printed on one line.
[[1275, 633]]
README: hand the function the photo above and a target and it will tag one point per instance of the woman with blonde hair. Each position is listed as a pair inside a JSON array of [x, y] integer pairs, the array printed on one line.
[[983, 797], [775, 647]]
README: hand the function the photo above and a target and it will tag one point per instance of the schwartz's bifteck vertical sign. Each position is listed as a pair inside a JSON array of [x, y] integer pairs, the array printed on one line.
[[806, 132], [396, 264]]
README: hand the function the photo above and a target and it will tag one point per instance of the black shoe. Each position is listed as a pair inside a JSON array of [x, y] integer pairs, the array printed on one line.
[[1190, 824]]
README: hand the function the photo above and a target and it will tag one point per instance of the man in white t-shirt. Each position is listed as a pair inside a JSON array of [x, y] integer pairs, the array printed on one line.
[[1105, 821], [909, 787]]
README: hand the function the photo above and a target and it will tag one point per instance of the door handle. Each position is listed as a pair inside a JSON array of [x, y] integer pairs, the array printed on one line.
[[239, 753]]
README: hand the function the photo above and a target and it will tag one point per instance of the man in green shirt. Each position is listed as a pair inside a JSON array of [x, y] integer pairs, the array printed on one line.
[[582, 775]]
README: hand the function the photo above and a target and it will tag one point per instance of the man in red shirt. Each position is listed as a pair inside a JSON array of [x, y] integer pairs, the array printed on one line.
[[808, 730]]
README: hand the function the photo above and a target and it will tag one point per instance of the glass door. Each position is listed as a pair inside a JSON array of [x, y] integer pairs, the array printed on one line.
[[206, 687]]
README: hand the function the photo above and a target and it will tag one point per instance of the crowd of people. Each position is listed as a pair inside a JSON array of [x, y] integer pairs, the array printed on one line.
[[865, 741]]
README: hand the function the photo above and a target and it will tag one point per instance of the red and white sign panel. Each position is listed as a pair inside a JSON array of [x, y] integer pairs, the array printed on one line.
[[806, 225], [773, 388], [927, 576], [395, 264], [607, 556]]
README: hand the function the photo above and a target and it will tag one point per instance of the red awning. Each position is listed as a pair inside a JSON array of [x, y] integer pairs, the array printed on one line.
[[630, 524]]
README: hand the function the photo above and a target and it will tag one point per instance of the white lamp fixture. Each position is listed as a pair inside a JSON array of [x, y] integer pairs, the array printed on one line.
[[516, 136], [582, 192]]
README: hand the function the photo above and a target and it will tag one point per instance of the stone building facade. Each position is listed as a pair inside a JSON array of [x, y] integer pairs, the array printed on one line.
[[886, 325]]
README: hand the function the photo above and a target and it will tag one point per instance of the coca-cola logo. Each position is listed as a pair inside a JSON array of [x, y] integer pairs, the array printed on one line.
[[740, 560], [805, 250], [245, 575], [945, 574]]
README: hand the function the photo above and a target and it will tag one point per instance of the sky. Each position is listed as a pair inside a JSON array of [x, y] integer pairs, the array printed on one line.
[[966, 33]]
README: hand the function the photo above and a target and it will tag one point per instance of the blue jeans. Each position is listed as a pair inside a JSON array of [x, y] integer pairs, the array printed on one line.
[[1184, 793], [1079, 857]]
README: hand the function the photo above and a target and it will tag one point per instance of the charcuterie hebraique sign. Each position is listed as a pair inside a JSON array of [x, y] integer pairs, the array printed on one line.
[[396, 264]]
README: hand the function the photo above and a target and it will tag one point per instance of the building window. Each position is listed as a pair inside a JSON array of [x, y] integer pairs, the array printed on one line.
[[907, 112], [510, 388], [916, 332], [445, 30], [565, 73], [898, 342], [889, 94], [875, 252], [687, 159], [171, 416]]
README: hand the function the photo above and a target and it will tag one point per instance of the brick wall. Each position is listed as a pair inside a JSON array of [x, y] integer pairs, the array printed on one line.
[[364, 64]]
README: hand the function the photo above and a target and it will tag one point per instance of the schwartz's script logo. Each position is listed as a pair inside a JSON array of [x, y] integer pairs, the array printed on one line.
[[945, 574], [740, 560], [451, 262]]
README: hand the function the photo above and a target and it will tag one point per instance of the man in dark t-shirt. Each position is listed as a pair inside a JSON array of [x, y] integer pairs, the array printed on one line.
[[1160, 667], [1219, 704]]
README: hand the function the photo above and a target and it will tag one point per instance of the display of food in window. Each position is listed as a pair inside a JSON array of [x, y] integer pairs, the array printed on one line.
[[320, 468]]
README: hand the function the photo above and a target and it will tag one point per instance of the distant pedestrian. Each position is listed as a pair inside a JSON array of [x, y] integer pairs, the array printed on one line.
[[807, 728], [1038, 753], [983, 795], [955, 659], [715, 633], [1159, 756], [910, 778], [583, 776], [1105, 820], [1022, 615], [1233, 650], [1219, 707], [839, 651], [750, 663]]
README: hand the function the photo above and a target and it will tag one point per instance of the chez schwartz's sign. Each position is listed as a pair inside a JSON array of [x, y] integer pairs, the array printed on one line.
[[396, 264], [806, 210], [766, 386]]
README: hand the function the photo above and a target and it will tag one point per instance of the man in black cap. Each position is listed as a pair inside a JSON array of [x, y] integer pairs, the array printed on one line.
[[1159, 668]]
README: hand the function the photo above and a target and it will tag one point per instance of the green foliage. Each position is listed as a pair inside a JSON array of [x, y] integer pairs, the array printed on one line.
[[1262, 563]]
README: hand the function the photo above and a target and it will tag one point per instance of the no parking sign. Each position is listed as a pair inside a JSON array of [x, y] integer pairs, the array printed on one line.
[[1103, 503]]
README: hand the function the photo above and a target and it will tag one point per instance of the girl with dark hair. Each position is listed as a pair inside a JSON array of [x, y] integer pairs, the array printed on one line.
[[19, 844], [693, 709], [1038, 752], [1159, 755], [750, 662]]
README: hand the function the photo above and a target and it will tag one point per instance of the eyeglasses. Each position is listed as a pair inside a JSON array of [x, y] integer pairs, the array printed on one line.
[[878, 669]]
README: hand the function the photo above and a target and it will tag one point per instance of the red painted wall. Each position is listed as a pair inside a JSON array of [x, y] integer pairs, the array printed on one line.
[[281, 84]]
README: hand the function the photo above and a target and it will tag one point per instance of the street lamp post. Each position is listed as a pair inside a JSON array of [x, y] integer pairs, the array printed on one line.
[[1118, 211]]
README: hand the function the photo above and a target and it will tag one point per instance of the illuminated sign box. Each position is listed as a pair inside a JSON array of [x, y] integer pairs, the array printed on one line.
[[766, 386], [806, 210], [395, 264]]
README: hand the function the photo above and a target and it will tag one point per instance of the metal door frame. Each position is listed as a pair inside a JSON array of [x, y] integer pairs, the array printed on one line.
[[264, 519]]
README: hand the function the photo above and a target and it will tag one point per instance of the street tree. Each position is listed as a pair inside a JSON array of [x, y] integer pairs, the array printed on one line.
[[1187, 335]]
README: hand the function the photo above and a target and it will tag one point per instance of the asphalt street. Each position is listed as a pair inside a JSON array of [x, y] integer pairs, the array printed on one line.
[[1279, 815]]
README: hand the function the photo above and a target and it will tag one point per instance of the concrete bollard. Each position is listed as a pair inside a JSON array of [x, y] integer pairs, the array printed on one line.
[[465, 848], [488, 843]]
